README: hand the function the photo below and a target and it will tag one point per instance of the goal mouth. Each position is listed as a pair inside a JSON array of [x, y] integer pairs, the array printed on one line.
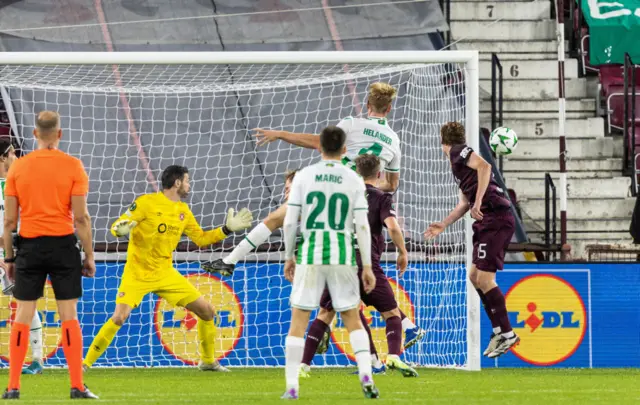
[[128, 116]]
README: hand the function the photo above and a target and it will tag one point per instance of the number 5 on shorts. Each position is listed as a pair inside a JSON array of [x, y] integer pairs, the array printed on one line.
[[482, 250]]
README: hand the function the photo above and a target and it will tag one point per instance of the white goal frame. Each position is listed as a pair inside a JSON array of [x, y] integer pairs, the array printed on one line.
[[468, 58]]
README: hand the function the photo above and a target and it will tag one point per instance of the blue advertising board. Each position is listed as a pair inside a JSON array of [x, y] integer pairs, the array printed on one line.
[[568, 315]]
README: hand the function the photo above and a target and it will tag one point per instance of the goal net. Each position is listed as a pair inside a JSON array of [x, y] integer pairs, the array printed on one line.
[[128, 120]]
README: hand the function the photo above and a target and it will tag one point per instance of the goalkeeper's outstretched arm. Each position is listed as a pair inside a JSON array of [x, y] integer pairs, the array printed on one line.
[[135, 214], [235, 222]]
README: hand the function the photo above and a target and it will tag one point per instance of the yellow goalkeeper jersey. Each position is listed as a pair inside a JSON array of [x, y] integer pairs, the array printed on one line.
[[161, 223]]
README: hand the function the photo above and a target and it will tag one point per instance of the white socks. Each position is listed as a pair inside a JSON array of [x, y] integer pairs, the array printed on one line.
[[496, 330], [294, 350], [255, 238], [35, 336], [407, 324], [360, 344]]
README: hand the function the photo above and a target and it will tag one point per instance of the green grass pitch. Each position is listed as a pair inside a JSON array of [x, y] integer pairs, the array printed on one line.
[[338, 386]]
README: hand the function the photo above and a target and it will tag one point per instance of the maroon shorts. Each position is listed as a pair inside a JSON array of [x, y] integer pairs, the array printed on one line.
[[381, 298], [491, 237]]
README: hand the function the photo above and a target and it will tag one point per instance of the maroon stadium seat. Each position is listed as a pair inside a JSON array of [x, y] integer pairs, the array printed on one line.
[[5, 130], [615, 108]]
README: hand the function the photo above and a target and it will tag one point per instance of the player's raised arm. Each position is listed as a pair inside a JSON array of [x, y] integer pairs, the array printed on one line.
[[458, 212], [477, 163], [235, 222], [265, 136], [135, 214]]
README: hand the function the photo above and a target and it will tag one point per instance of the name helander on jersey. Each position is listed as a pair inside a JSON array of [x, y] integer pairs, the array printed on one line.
[[372, 135]]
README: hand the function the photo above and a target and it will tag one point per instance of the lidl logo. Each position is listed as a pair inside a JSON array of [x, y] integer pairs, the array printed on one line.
[[376, 323], [177, 328], [550, 317], [47, 310]]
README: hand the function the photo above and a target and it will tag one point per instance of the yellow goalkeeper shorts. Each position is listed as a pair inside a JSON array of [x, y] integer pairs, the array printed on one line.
[[173, 287]]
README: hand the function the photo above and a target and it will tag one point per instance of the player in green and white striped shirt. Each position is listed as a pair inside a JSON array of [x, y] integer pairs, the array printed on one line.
[[7, 157], [328, 198], [364, 135]]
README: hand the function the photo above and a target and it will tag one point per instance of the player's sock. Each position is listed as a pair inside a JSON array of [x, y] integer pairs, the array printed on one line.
[[207, 339], [372, 346], [498, 306], [394, 335], [255, 238], [487, 309], [19, 342], [35, 336], [359, 344], [406, 322], [72, 348], [314, 335], [101, 342], [294, 348]]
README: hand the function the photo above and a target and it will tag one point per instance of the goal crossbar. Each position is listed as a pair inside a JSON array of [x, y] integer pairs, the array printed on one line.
[[217, 58]]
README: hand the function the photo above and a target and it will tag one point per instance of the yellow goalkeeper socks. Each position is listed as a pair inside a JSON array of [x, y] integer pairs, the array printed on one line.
[[206, 336], [101, 342]]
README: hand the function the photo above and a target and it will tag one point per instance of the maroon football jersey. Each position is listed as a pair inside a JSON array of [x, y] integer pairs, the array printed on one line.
[[467, 179], [380, 208]]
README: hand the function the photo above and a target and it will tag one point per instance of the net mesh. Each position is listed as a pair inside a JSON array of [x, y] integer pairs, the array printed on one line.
[[126, 123]]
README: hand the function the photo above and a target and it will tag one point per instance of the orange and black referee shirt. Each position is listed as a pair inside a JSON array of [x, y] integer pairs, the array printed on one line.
[[43, 182]]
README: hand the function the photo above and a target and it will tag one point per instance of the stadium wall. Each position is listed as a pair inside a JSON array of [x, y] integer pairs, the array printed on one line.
[[568, 315]]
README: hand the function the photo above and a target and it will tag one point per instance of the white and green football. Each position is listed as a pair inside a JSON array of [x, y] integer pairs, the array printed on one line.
[[503, 141]]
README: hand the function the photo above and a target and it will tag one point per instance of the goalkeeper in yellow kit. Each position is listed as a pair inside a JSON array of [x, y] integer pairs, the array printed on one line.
[[155, 223]]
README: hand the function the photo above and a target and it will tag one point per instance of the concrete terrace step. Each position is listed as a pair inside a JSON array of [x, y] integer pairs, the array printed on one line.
[[616, 187], [507, 47], [536, 115], [541, 166], [512, 178], [536, 88], [542, 105], [601, 227], [548, 129], [530, 69], [582, 238], [478, 10], [602, 208], [537, 149], [504, 30]]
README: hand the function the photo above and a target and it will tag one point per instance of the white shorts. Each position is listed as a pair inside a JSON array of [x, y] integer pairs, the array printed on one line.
[[309, 282]]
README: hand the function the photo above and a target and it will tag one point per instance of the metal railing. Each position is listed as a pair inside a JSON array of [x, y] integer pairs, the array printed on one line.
[[550, 218], [445, 6], [496, 97], [630, 155]]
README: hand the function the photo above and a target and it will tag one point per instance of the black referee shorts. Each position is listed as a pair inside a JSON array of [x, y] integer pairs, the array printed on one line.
[[55, 256]]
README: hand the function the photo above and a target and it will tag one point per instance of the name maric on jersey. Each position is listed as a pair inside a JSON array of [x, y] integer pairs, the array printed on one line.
[[377, 135], [328, 178]]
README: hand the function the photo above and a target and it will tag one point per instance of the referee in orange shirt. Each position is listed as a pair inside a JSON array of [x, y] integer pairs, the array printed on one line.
[[49, 188]]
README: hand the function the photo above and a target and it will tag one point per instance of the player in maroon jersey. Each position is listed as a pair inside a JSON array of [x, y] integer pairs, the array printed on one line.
[[381, 214], [492, 230]]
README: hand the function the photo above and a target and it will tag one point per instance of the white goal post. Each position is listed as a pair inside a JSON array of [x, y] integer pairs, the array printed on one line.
[[127, 115]]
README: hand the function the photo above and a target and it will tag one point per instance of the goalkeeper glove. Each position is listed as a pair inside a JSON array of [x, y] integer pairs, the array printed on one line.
[[241, 220], [123, 227]]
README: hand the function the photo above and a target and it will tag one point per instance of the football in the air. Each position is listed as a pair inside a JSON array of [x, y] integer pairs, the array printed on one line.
[[503, 141]]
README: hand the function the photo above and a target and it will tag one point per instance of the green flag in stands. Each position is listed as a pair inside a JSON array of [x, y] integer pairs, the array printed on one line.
[[614, 28]]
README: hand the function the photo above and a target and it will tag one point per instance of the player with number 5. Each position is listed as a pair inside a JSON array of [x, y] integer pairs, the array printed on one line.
[[492, 230]]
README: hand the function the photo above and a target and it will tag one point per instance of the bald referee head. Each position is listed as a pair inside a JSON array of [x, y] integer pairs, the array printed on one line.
[[49, 188]]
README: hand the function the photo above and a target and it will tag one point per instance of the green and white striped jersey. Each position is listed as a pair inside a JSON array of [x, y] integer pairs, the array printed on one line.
[[371, 135], [327, 193]]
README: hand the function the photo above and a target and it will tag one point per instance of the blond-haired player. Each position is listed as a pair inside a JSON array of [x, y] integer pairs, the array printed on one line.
[[156, 223], [364, 135]]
